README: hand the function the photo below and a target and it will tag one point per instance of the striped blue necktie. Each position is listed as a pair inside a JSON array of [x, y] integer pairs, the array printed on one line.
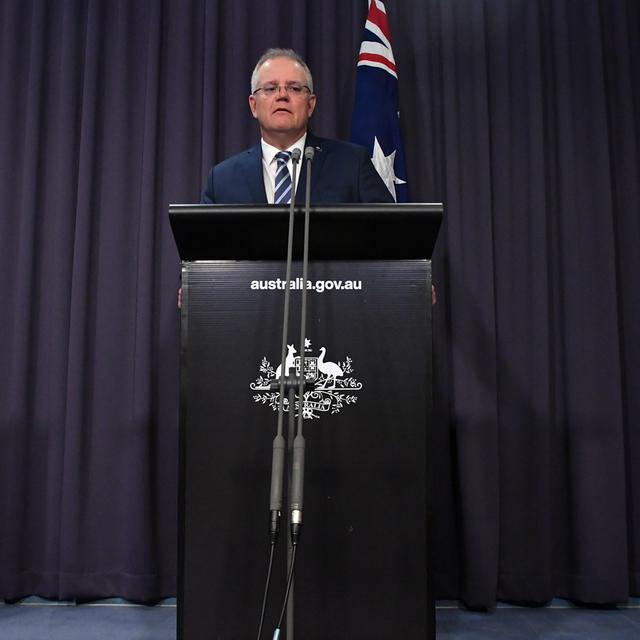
[[282, 191]]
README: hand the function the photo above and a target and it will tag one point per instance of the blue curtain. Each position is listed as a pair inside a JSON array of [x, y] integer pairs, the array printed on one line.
[[522, 116]]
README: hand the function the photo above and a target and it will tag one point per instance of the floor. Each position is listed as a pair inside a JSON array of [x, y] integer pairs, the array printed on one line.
[[558, 621], [37, 619]]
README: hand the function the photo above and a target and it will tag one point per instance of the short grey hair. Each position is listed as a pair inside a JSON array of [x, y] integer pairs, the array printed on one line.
[[270, 54]]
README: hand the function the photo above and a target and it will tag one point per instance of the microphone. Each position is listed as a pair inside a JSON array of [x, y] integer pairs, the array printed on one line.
[[275, 500], [297, 463], [279, 445], [297, 466], [297, 485]]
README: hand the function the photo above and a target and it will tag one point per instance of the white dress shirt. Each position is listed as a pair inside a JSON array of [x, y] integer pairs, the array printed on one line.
[[270, 165]]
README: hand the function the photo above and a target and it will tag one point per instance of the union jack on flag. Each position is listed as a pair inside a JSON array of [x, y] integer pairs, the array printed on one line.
[[375, 122]]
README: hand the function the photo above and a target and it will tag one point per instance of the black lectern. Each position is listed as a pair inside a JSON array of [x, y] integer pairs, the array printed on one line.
[[361, 569]]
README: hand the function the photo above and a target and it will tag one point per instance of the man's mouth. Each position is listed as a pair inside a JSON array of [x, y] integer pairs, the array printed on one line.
[[282, 110]]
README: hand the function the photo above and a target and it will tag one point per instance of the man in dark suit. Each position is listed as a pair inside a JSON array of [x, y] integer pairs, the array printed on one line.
[[282, 101]]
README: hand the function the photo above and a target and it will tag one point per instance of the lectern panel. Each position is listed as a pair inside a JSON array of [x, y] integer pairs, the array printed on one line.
[[361, 568]]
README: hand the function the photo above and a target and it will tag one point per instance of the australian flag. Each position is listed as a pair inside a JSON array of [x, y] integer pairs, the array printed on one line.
[[375, 123]]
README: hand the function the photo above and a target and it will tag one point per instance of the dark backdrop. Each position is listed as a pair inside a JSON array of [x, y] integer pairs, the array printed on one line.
[[521, 115]]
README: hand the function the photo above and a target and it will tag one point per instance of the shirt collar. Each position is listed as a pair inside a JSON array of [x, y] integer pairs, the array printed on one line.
[[269, 151]]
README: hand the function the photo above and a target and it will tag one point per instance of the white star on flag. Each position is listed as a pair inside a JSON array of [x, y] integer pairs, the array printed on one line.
[[384, 166]]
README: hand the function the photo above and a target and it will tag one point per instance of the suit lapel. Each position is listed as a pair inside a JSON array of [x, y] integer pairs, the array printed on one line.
[[254, 175], [316, 168], [252, 167]]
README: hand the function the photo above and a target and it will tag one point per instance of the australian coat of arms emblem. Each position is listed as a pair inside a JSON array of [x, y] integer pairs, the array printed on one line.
[[330, 386]]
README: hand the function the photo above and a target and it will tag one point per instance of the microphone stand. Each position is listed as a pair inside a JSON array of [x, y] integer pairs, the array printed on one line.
[[297, 448], [297, 475], [277, 467], [297, 466], [278, 447]]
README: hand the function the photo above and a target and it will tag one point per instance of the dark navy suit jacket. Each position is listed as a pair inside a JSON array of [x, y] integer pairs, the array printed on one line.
[[341, 173]]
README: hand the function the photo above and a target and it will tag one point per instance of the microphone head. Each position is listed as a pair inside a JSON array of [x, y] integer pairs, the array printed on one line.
[[309, 152], [295, 155]]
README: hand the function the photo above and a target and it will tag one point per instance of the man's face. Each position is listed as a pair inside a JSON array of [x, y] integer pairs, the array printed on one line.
[[283, 113]]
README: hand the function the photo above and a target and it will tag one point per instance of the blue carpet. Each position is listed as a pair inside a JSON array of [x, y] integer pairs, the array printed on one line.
[[559, 621], [112, 620], [37, 619]]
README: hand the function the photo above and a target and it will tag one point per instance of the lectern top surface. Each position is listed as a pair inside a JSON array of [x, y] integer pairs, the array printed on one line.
[[337, 232]]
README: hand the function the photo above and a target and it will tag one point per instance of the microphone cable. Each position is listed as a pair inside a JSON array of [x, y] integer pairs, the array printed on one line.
[[276, 633], [266, 589]]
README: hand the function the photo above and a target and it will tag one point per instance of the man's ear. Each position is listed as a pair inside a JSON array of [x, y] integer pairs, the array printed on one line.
[[311, 104], [252, 106]]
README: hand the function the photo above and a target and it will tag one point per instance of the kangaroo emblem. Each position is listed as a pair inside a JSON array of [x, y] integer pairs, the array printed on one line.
[[289, 362]]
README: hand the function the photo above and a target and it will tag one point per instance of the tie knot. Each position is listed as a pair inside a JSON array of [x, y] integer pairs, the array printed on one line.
[[283, 156]]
